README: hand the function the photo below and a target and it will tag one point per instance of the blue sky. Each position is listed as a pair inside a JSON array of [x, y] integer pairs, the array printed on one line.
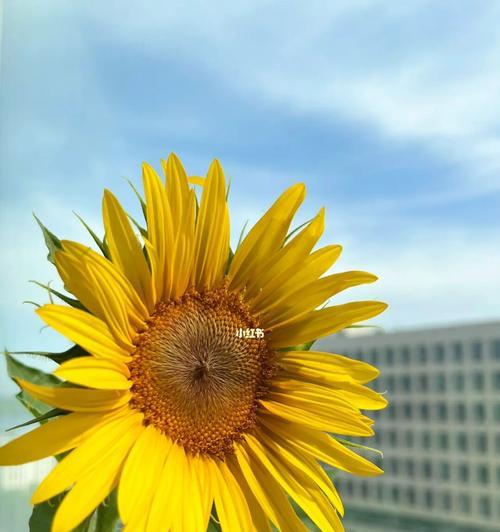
[[388, 111]]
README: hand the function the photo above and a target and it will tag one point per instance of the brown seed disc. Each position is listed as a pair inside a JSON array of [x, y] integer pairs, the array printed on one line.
[[194, 378]]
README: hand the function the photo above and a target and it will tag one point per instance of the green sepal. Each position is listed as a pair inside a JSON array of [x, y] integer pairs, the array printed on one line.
[[103, 519], [139, 227], [139, 197], [18, 370], [301, 347], [69, 300], [40, 419], [348, 443], [296, 229], [73, 352], [101, 244], [51, 241]]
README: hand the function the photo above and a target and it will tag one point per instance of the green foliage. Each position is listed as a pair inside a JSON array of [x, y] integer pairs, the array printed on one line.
[[73, 352], [104, 519], [69, 300], [101, 244], [51, 241]]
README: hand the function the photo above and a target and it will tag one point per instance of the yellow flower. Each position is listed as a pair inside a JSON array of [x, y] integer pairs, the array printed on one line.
[[189, 397]]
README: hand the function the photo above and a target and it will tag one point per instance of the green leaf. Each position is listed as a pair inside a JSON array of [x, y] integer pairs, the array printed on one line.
[[40, 419], [18, 370], [51, 241], [103, 519], [302, 347], [73, 352], [141, 229], [139, 197], [69, 300], [348, 443], [296, 229], [101, 244]]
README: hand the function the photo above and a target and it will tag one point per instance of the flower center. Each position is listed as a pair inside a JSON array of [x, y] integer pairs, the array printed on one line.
[[196, 377]]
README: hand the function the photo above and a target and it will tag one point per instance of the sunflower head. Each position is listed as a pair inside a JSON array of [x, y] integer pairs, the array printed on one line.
[[185, 393]]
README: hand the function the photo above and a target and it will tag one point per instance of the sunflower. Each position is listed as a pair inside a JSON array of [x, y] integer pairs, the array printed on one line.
[[190, 398]]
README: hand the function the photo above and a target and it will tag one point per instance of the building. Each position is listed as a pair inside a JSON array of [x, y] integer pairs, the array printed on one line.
[[440, 435]]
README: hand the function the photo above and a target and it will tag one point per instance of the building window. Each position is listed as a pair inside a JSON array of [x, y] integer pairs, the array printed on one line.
[[442, 411], [427, 469], [374, 357], [426, 440], [481, 442], [408, 410], [484, 506], [405, 355], [464, 504], [422, 354], [410, 439], [495, 349], [395, 493], [446, 501], [392, 437], [405, 383], [463, 472], [497, 443], [429, 499], [410, 495], [423, 383], [497, 412], [440, 383], [390, 356], [496, 380], [478, 381], [443, 441], [460, 412], [410, 468], [479, 412], [424, 412], [439, 353], [483, 474], [477, 350], [444, 470], [458, 382], [462, 441], [458, 352]]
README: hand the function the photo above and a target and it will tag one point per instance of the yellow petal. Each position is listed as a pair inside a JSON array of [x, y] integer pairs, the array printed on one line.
[[310, 270], [321, 446], [94, 373], [313, 295], [286, 260], [77, 399], [198, 497], [268, 492], [160, 230], [298, 485], [197, 180], [125, 248], [114, 309], [319, 323], [167, 504], [316, 415], [259, 518], [230, 502], [212, 230], [95, 486], [85, 330], [265, 238], [317, 364], [307, 465], [141, 474], [182, 203], [90, 455], [81, 257], [51, 438]]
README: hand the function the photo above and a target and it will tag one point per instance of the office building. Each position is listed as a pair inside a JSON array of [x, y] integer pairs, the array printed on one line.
[[440, 435]]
